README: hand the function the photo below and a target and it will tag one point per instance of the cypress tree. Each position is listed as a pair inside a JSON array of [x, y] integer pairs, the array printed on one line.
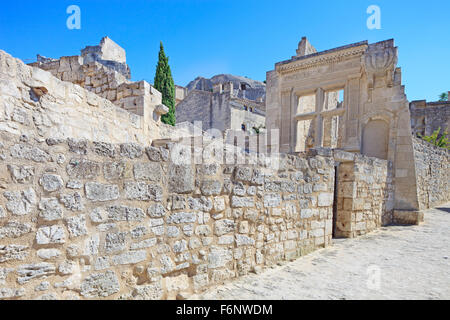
[[164, 84]]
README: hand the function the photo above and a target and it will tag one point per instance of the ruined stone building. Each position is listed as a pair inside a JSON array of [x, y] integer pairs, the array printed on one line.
[[96, 204], [426, 117], [225, 103], [372, 118], [103, 70]]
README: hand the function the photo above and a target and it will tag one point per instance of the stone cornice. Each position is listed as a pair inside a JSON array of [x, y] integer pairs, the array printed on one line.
[[321, 59]]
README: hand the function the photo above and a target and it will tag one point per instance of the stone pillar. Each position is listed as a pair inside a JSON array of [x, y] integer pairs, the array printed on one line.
[[285, 123], [294, 107], [320, 100]]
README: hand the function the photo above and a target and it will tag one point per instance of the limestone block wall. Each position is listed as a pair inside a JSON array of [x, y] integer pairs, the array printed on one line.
[[428, 117], [105, 82], [433, 174], [197, 107], [365, 187], [35, 103], [92, 220]]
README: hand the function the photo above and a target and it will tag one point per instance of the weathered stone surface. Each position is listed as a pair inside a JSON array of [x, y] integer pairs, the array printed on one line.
[[91, 245], [218, 257], [172, 231], [182, 217], [138, 232], [14, 229], [157, 154], [50, 209], [20, 202], [130, 257], [131, 150], [76, 226], [242, 240], [211, 187], [67, 267], [27, 152], [47, 296], [13, 252], [325, 199], [77, 146], [43, 286], [8, 293], [167, 264], [51, 182], [200, 281], [156, 210], [104, 149], [48, 254], [200, 204], [224, 226], [115, 242], [148, 292], [142, 191], [178, 202], [224, 240], [21, 174], [272, 200], [243, 174], [144, 244], [101, 263], [114, 170], [50, 235], [29, 272], [99, 215], [181, 179], [180, 246], [101, 192], [4, 274], [82, 169], [100, 285], [124, 213], [72, 201], [203, 230], [258, 177], [74, 184], [242, 202], [147, 171], [2, 213]]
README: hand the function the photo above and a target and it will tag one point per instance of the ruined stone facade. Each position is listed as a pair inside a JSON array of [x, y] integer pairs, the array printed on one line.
[[103, 70], [373, 118], [427, 117], [95, 203], [225, 103]]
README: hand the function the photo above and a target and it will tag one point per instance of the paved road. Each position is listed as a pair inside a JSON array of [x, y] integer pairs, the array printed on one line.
[[412, 263]]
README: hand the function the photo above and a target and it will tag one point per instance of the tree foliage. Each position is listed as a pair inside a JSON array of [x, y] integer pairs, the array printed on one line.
[[164, 83], [435, 139], [443, 96]]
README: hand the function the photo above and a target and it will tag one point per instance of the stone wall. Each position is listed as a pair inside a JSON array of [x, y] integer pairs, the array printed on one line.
[[428, 117], [91, 220], [35, 103], [433, 174], [365, 195]]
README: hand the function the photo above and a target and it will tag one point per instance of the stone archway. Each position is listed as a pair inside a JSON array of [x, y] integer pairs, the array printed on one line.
[[376, 139]]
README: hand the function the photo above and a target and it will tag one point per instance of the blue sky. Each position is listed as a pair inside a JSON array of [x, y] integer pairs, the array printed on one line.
[[242, 37]]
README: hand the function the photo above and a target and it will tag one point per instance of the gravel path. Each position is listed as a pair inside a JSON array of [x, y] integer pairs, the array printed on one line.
[[412, 263]]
